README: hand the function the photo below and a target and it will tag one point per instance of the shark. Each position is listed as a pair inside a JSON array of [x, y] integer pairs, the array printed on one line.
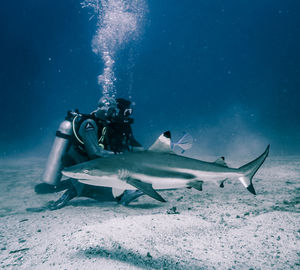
[[160, 168]]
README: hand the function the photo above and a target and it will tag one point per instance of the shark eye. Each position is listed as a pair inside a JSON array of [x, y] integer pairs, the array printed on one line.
[[85, 171]]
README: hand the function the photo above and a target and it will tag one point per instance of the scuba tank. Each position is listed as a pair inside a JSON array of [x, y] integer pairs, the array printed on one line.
[[52, 173]]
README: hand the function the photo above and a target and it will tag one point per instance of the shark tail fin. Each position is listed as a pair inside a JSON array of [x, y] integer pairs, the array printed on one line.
[[249, 170]]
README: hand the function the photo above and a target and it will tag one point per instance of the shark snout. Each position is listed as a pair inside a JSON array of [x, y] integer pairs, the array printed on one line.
[[75, 173], [67, 172]]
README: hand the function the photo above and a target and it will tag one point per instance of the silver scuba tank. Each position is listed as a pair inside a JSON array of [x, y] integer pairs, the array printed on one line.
[[52, 173]]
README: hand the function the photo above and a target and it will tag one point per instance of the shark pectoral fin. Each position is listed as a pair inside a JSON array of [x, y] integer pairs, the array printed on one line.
[[146, 188], [116, 192], [196, 184]]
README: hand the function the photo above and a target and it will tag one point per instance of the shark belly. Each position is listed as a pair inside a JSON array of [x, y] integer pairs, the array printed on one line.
[[107, 181], [115, 182], [162, 182]]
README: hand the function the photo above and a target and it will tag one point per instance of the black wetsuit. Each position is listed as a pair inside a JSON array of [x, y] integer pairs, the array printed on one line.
[[115, 136]]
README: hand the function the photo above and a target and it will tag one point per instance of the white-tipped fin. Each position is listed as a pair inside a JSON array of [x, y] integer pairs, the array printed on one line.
[[162, 144], [185, 142]]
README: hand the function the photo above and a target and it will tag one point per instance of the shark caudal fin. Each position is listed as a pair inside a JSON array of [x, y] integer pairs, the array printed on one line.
[[250, 169]]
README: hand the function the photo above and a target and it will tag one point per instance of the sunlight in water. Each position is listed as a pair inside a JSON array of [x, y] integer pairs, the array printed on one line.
[[119, 22]]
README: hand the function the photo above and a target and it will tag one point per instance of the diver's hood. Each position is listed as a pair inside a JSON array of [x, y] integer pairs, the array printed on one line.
[[107, 109]]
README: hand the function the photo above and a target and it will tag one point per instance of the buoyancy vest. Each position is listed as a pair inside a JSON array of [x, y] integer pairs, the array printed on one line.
[[114, 136]]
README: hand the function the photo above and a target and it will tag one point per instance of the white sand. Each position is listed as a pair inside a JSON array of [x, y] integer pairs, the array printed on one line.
[[218, 228]]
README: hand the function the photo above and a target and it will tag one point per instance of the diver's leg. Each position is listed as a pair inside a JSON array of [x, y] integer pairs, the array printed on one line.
[[97, 193], [81, 190], [44, 188], [100, 194]]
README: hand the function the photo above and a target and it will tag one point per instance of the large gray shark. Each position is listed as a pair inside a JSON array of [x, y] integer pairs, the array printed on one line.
[[159, 168]]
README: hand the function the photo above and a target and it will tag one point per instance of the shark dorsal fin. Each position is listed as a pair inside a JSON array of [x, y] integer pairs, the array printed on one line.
[[221, 161], [162, 144]]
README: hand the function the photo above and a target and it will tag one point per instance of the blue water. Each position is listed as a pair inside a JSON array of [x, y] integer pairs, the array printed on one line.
[[227, 72]]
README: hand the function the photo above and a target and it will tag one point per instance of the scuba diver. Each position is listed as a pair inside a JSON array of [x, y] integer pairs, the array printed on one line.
[[83, 137]]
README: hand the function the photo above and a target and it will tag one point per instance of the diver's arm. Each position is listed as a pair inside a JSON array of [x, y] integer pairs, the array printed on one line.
[[88, 131]]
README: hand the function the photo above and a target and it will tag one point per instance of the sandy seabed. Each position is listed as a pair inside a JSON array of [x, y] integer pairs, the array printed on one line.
[[217, 228]]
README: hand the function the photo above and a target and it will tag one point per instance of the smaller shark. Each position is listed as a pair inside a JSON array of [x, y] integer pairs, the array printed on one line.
[[159, 168]]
